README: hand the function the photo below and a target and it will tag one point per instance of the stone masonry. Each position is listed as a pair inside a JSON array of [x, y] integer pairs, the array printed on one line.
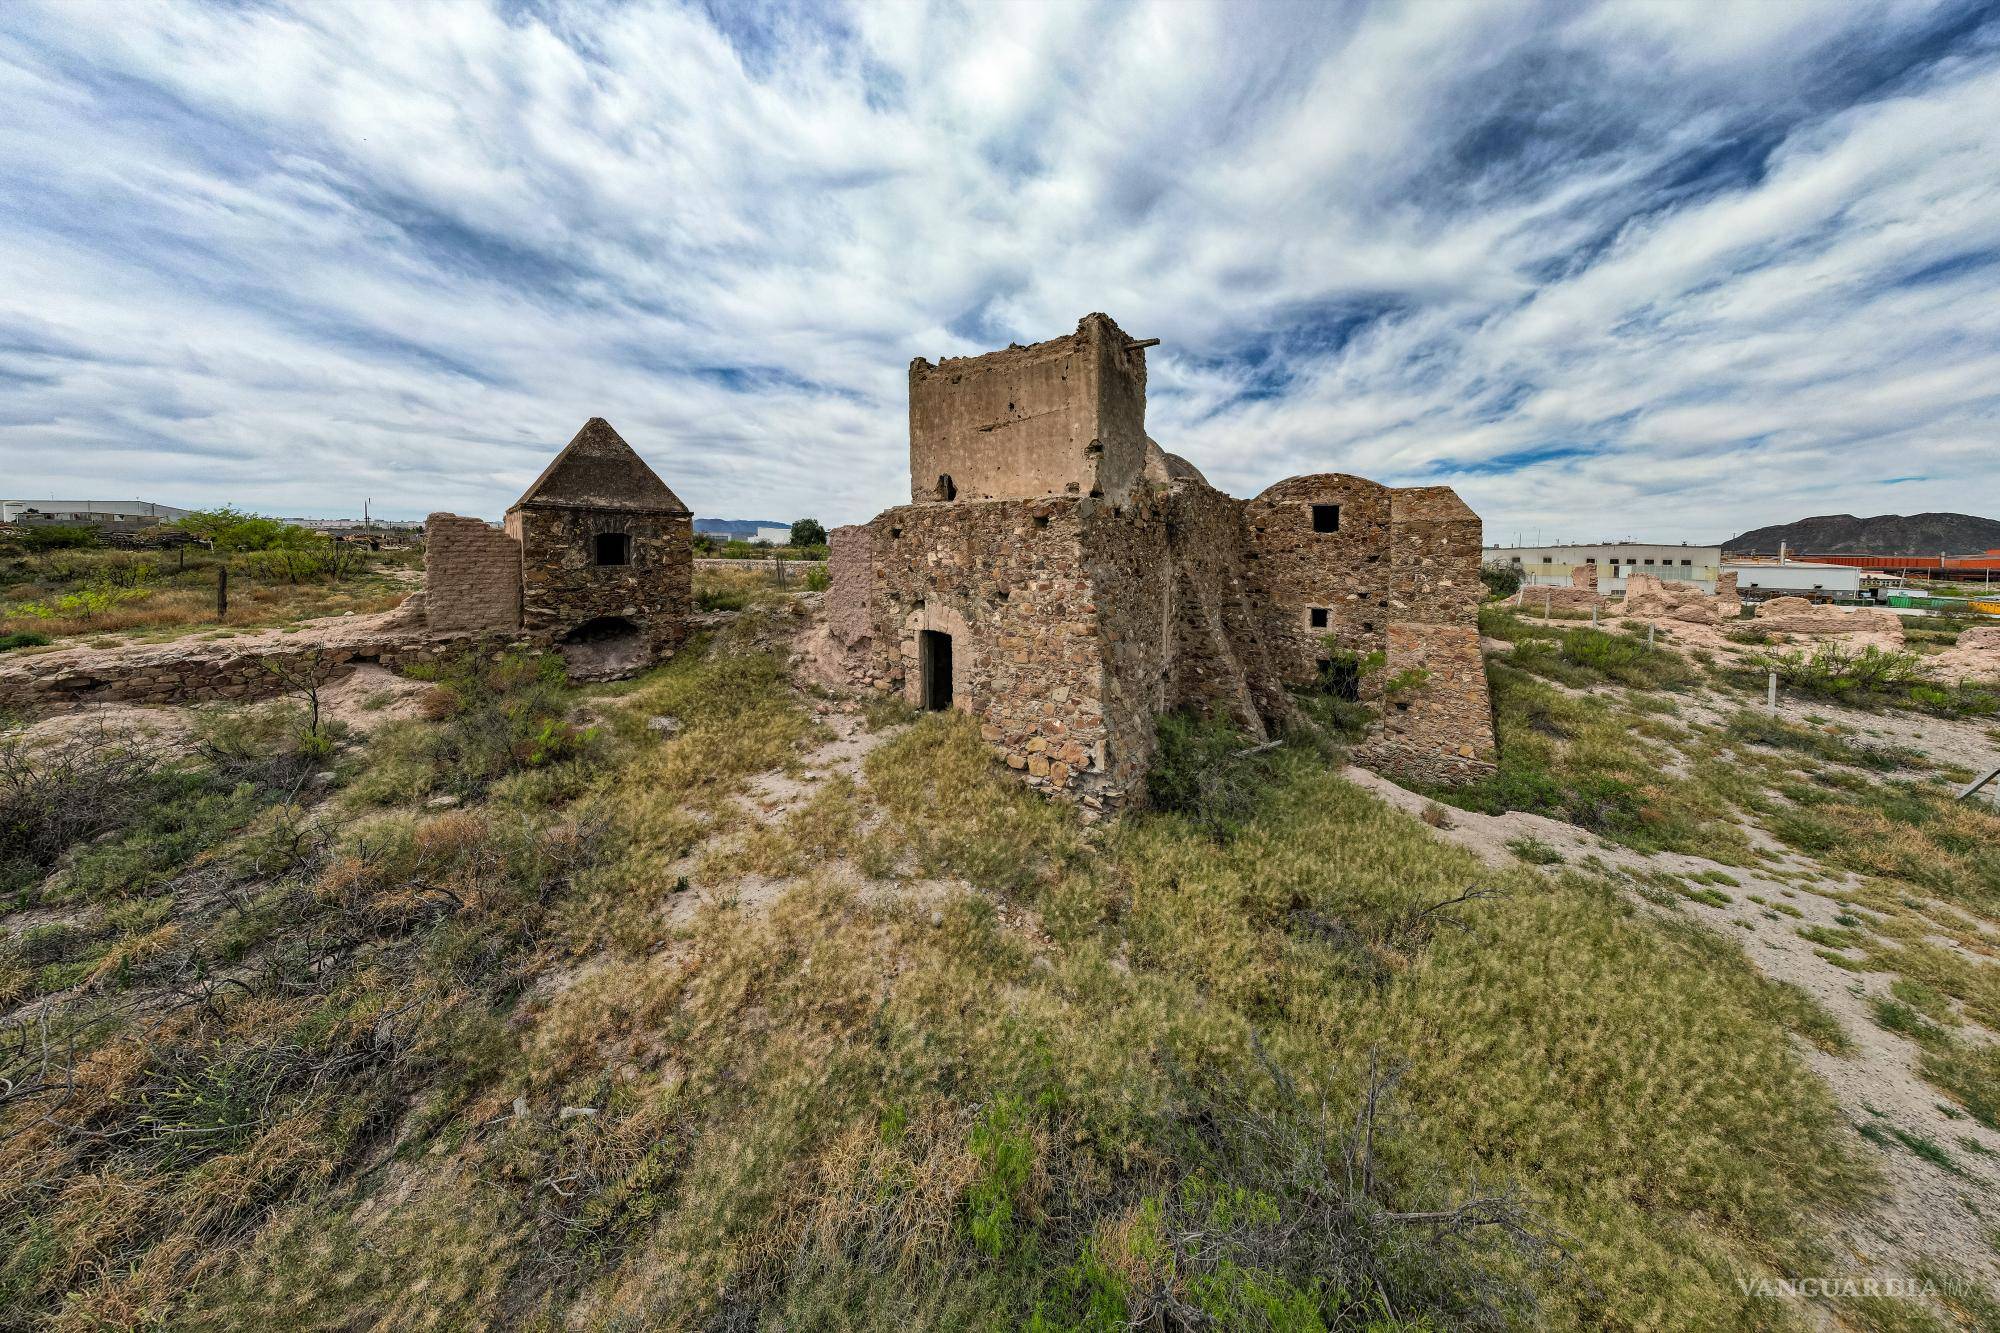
[[595, 561], [1065, 581]]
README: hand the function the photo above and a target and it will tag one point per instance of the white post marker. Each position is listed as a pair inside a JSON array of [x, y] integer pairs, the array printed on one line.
[[1649, 637], [1771, 692]]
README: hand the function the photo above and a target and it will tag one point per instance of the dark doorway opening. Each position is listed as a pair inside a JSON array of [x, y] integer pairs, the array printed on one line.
[[947, 489], [604, 649], [612, 548], [1341, 679], [934, 659]]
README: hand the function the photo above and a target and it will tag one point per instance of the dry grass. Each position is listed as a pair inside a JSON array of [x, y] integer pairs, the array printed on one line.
[[1095, 1078], [149, 597]]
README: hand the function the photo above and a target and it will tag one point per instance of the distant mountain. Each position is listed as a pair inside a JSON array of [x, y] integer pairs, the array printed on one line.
[[1884, 534], [738, 527]]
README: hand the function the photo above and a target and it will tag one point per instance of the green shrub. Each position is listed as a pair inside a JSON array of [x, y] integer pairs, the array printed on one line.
[[1837, 671], [1203, 771], [23, 639], [1501, 580], [55, 537]]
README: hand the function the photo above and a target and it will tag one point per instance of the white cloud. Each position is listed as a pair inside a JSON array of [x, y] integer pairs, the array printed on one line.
[[278, 254]]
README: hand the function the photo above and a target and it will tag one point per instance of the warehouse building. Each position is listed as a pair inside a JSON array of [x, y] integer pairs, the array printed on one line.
[[1555, 566]]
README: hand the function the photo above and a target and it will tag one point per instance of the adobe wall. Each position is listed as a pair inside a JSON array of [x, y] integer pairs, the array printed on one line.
[[472, 577], [1063, 417], [563, 586], [1005, 579]]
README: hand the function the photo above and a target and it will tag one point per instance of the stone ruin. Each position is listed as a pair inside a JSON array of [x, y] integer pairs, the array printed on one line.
[[1062, 579], [595, 561]]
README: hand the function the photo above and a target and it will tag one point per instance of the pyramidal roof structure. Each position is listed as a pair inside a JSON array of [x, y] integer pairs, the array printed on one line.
[[598, 470]]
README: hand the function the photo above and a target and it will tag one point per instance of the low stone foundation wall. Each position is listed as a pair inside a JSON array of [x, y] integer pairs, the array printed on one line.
[[241, 668]]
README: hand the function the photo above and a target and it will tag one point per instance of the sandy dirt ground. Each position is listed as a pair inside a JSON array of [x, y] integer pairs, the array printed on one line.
[[1929, 1212]]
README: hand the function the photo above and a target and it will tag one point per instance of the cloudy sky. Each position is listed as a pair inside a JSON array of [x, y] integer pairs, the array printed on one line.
[[1662, 269]]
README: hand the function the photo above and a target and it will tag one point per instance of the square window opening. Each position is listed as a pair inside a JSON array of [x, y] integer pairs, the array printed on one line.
[[1318, 615], [612, 548], [1326, 518]]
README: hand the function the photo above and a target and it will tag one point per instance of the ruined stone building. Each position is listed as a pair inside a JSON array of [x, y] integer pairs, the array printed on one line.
[[1063, 580], [596, 558], [595, 561]]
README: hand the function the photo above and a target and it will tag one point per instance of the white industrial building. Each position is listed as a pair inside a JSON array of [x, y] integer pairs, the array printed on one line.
[[89, 511], [1554, 566], [1757, 579]]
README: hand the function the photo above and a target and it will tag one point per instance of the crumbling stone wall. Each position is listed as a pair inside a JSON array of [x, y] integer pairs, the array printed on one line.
[[1063, 417], [1091, 582], [1797, 615], [239, 669], [1224, 660], [1647, 597], [563, 587], [1344, 573], [1442, 731], [472, 577], [1006, 579]]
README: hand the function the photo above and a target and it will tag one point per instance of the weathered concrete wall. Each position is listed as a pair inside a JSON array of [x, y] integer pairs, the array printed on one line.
[[563, 586], [472, 577], [1063, 417]]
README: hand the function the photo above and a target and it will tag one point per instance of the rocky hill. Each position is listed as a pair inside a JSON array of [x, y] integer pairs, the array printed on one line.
[[1884, 534]]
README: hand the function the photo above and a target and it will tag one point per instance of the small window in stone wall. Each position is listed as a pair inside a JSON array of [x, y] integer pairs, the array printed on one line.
[[946, 488], [1326, 518], [1318, 614], [612, 548]]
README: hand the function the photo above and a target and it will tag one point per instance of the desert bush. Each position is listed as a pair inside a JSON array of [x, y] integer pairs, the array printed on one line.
[[55, 537], [23, 639], [1585, 656], [1836, 671], [1761, 728], [58, 793], [1501, 579], [1207, 771], [496, 717]]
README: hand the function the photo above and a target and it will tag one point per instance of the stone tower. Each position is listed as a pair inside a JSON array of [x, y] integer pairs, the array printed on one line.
[[606, 556]]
